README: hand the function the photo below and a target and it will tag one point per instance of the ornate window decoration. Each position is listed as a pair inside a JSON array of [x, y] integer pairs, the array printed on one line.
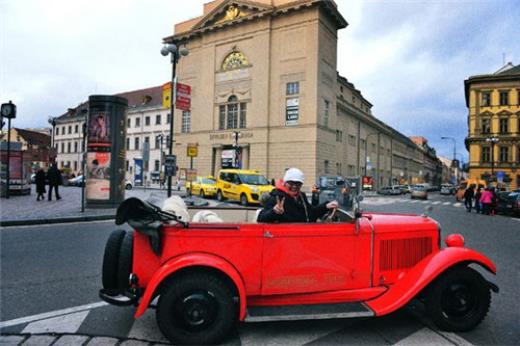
[[234, 60]]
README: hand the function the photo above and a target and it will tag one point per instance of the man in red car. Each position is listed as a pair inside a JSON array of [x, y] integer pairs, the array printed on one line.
[[287, 203]]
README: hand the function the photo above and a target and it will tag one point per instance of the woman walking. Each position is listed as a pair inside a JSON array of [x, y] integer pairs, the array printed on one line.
[[486, 199], [40, 184]]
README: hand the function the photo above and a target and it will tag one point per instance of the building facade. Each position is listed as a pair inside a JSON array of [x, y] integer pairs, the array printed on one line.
[[493, 141], [35, 143], [268, 70]]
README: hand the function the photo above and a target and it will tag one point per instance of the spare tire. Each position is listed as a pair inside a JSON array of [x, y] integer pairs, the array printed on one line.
[[125, 261], [111, 259]]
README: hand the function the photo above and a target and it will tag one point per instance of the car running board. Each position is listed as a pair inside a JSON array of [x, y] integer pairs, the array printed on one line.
[[307, 312]]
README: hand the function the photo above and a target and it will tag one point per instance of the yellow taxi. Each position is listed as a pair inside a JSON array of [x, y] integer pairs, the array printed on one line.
[[203, 186], [245, 186]]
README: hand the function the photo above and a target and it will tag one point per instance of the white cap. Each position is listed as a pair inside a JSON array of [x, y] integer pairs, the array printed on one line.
[[293, 174]]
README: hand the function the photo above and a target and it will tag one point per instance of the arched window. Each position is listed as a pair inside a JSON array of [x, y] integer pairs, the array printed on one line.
[[232, 115]]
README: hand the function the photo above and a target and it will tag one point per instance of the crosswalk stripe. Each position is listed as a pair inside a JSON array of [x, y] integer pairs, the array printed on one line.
[[61, 324], [145, 328], [436, 202], [457, 204], [424, 202], [50, 314], [446, 203], [424, 337]]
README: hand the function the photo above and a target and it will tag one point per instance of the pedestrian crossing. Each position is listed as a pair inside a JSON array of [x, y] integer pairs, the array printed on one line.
[[401, 328], [388, 201]]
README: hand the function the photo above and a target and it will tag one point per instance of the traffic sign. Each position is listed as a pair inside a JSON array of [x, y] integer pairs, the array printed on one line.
[[183, 97], [192, 150]]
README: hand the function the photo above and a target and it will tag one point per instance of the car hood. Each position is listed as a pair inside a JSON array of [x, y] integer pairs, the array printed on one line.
[[401, 222]]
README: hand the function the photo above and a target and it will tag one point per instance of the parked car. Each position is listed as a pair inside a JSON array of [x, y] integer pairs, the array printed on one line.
[[390, 190], [245, 186], [448, 189], [207, 277], [418, 191], [509, 203], [77, 181], [405, 188], [329, 188], [203, 186]]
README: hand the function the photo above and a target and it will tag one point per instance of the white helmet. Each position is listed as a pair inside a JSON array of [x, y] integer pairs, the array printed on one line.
[[293, 174]]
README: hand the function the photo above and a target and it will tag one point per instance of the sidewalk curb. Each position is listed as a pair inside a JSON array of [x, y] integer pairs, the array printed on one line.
[[30, 222]]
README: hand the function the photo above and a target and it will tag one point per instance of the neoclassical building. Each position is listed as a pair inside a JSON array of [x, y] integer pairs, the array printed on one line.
[[268, 69], [493, 141]]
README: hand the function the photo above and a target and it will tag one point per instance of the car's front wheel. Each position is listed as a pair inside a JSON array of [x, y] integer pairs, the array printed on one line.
[[196, 309], [459, 300], [243, 199], [128, 186], [220, 196]]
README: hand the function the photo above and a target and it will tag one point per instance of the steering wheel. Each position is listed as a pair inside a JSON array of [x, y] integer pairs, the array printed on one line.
[[330, 216]]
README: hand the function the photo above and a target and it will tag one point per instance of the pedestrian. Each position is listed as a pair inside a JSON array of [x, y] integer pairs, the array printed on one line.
[[287, 203], [468, 198], [478, 205], [40, 184], [55, 179], [486, 200], [494, 201]]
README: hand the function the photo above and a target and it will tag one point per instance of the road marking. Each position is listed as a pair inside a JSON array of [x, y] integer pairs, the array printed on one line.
[[446, 203], [51, 314], [457, 204], [436, 202], [426, 336], [62, 324], [47, 225], [145, 328]]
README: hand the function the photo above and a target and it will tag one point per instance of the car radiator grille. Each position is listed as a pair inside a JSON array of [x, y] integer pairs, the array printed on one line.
[[403, 253]]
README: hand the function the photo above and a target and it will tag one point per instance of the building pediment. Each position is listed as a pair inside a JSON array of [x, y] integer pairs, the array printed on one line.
[[486, 114], [232, 11], [504, 113]]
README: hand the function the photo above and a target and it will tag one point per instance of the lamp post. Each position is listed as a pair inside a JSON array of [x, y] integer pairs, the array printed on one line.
[[8, 110], [160, 137], [52, 121], [366, 156], [493, 141], [175, 54], [236, 136], [454, 146]]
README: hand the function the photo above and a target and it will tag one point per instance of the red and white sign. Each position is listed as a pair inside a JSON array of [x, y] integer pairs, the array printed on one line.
[[183, 97]]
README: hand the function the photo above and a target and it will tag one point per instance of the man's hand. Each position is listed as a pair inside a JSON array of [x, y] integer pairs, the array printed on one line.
[[278, 207], [332, 205]]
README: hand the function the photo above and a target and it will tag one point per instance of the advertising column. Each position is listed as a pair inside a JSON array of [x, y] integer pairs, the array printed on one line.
[[105, 151]]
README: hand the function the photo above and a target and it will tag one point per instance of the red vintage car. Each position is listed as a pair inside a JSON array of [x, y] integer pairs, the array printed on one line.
[[209, 276]]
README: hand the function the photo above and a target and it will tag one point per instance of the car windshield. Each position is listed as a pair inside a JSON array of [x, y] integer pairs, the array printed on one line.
[[208, 181], [419, 188], [253, 179]]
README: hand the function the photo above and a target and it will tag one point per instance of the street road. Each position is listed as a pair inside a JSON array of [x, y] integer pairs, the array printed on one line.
[[46, 269]]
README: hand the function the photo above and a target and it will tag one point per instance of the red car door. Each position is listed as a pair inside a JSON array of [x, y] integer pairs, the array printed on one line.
[[314, 257]]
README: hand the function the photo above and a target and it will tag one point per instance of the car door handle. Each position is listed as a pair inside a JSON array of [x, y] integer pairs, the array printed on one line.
[[268, 234]]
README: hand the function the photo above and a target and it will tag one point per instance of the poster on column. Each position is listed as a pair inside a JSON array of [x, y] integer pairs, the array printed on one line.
[[98, 175]]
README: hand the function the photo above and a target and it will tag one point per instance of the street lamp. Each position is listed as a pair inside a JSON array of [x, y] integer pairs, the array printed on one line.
[[454, 146], [493, 141], [160, 138], [52, 121], [175, 53], [8, 110], [236, 136]]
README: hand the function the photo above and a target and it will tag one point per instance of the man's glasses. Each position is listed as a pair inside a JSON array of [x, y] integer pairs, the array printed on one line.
[[295, 183]]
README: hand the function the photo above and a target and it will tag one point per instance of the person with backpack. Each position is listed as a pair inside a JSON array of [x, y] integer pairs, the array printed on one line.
[[468, 198]]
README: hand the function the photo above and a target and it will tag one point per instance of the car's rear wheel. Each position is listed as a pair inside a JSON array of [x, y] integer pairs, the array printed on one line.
[[196, 309], [109, 273], [459, 300], [220, 196], [128, 186], [243, 199], [125, 261]]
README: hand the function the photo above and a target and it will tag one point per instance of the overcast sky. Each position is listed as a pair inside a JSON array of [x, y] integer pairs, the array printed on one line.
[[408, 58]]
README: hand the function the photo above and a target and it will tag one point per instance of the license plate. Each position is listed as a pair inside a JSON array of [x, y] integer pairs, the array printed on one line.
[[510, 206]]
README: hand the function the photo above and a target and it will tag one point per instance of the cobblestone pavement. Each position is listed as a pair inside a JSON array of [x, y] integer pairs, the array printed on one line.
[[68, 340], [27, 208]]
